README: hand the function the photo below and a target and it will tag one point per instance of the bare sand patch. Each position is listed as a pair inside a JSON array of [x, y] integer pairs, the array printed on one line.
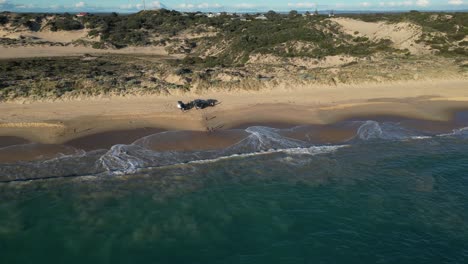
[[47, 35], [404, 35], [61, 51], [326, 62]]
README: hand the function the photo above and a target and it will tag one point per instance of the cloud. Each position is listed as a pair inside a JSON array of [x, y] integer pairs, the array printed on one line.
[[140, 6], [186, 6], [25, 6], [396, 4], [422, 3], [244, 5], [302, 5], [455, 2], [155, 5], [199, 6], [6, 5], [80, 4], [129, 6], [365, 4]]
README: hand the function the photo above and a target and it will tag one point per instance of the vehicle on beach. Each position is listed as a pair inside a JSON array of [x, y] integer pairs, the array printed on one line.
[[197, 104]]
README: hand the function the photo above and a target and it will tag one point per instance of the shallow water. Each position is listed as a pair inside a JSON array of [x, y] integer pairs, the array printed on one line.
[[390, 194]]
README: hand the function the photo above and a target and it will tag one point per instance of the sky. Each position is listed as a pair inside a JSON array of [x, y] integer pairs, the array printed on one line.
[[227, 5]]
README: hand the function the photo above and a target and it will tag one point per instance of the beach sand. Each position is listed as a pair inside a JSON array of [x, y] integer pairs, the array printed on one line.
[[94, 123], [60, 51]]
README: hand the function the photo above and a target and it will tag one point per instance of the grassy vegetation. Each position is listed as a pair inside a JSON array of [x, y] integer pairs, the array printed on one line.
[[74, 76], [30, 21], [244, 38], [68, 77], [138, 29], [65, 23], [239, 37]]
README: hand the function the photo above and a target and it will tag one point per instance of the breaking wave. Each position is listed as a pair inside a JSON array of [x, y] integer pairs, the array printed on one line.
[[128, 159], [458, 133], [372, 130], [132, 158]]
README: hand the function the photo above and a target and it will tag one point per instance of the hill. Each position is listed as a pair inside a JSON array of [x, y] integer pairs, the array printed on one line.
[[244, 51]]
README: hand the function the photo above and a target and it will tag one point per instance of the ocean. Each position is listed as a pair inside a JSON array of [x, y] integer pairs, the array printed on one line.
[[389, 194]]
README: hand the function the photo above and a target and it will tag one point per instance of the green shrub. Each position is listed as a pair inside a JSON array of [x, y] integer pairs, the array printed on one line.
[[93, 33], [458, 36], [361, 39], [461, 51], [66, 24], [3, 20], [32, 25], [98, 45]]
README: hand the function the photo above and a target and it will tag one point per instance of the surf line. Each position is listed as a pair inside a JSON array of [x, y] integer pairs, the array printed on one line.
[[45, 178]]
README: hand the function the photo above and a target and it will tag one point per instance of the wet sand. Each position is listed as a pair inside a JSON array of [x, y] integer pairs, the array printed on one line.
[[159, 140], [7, 141], [106, 140], [32, 152], [323, 134], [192, 140]]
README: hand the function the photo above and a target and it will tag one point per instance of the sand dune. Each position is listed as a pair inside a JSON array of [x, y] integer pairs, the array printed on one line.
[[404, 35]]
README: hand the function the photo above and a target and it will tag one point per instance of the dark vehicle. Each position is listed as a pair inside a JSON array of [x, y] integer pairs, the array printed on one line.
[[197, 104]]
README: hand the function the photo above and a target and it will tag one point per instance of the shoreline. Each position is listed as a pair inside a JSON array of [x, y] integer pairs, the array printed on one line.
[[15, 149], [64, 121]]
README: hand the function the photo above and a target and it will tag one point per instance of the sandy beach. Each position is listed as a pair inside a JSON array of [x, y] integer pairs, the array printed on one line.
[[285, 105]]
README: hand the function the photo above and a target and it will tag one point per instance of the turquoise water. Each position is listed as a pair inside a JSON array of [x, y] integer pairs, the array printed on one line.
[[378, 199]]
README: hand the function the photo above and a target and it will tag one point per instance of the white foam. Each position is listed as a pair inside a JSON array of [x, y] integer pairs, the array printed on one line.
[[60, 156], [315, 150], [372, 130], [129, 159], [456, 132], [369, 130], [264, 139], [421, 137], [118, 161]]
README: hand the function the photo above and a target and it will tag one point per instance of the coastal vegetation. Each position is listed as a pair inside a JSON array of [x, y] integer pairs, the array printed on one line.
[[71, 76], [84, 76], [246, 51], [245, 34]]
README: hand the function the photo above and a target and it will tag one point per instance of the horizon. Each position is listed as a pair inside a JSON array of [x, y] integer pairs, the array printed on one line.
[[320, 11], [132, 6]]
